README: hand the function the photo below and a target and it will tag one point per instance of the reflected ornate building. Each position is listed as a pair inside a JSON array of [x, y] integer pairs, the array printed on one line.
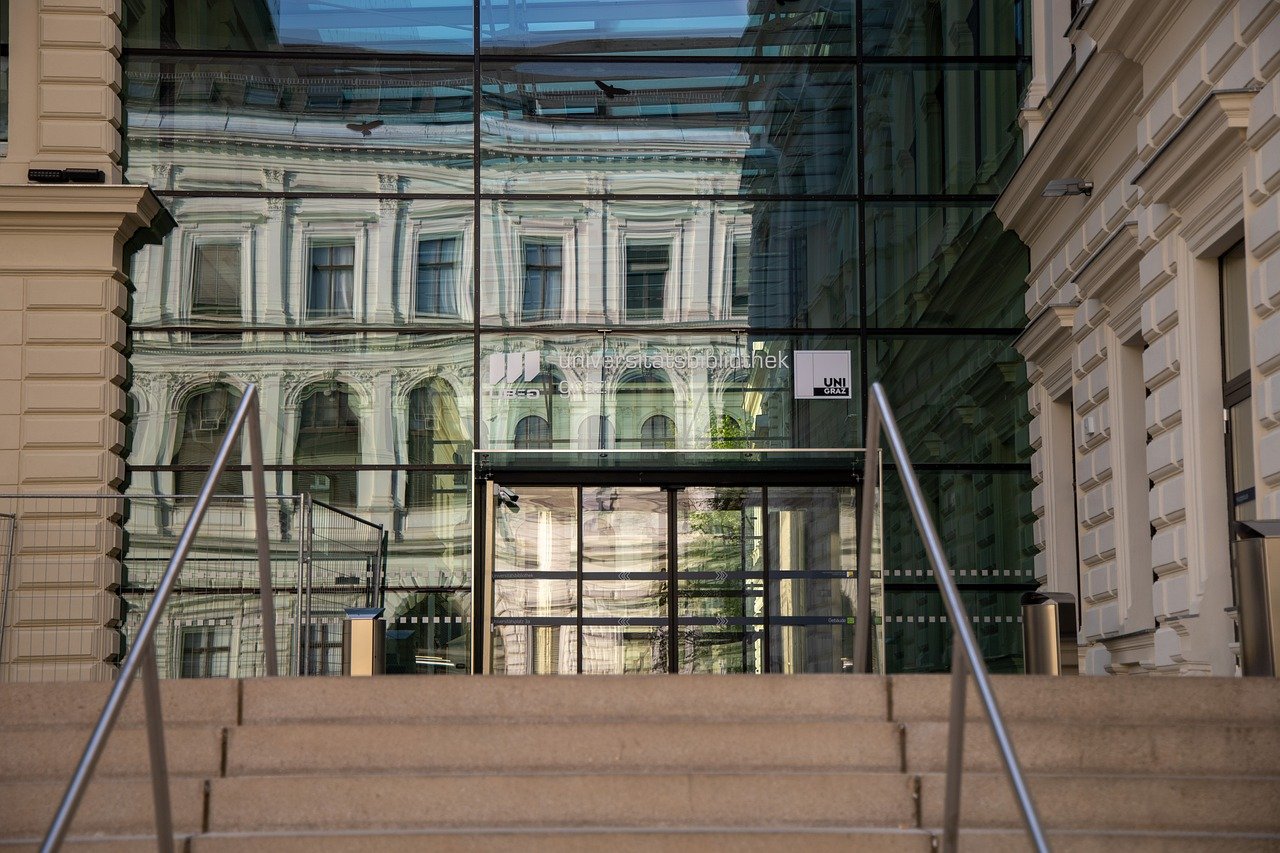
[[614, 241]]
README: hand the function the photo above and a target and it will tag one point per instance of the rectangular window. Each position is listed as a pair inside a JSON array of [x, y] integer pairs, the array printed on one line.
[[206, 651], [4, 73], [543, 268], [435, 289], [647, 267], [331, 286], [1237, 385], [740, 296], [215, 285]]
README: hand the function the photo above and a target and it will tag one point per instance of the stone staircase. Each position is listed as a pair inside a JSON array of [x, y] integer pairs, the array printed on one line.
[[652, 763]]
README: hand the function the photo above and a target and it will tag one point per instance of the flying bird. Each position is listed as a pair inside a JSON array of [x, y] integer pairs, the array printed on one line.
[[365, 128], [611, 92]]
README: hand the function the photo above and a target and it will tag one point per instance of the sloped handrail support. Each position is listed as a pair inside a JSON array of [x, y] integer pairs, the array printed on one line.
[[143, 652], [966, 659]]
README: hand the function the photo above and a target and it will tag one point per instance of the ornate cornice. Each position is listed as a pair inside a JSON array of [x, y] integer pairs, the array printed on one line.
[[1208, 140]]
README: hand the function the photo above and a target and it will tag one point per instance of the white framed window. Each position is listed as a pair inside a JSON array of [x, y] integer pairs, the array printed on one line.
[[204, 651], [331, 279], [216, 281], [648, 265], [543, 280], [435, 286]]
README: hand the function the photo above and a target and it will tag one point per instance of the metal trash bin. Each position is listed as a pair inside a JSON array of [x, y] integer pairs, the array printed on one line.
[[1049, 634], [364, 641], [1255, 562]]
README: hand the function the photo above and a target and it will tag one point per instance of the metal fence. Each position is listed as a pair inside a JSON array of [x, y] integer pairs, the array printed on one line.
[[79, 572]]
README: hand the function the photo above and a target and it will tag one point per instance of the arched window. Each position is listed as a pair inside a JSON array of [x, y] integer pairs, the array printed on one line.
[[644, 395], [436, 437], [596, 433], [203, 425], [328, 434], [658, 431], [533, 433]]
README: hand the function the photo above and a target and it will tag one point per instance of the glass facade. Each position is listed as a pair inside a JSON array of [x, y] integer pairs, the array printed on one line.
[[429, 228]]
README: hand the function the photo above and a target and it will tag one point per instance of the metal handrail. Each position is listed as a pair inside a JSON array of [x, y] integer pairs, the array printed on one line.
[[880, 416], [143, 652]]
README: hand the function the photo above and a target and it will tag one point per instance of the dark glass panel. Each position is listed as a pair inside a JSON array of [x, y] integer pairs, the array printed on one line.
[[4, 70], [668, 127], [958, 399], [429, 633], [984, 519], [736, 262], [934, 129], [944, 27], [720, 391], [639, 27], [389, 26], [306, 125], [943, 266]]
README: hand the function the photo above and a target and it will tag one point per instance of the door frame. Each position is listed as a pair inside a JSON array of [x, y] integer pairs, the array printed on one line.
[[671, 479]]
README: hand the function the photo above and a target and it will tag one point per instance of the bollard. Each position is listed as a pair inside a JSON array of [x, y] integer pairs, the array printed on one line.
[[364, 636], [1256, 564], [1049, 634]]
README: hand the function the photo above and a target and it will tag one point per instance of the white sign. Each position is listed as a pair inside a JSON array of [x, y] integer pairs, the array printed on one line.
[[823, 375]]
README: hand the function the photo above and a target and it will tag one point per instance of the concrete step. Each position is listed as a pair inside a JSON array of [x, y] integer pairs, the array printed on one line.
[[1154, 701], [53, 752], [110, 807], [1086, 841], [212, 701], [1174, 749], [656, 698], [506, 800], [559, 747], [1139, 802]]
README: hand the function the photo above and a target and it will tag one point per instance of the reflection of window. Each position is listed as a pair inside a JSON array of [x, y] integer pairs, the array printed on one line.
[[215, 284], [206, 651], [435, 288], [205, 418], [740, 292], [543, 265], [328, 434], [1237, 391], [4, 70], [436, 437], [331, 285], [647, 268], [658, 431], [324, 649], [596, 432], [533, 433]]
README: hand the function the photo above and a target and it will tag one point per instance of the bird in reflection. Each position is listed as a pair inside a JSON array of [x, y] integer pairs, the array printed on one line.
[[611, 92], [366, 127]]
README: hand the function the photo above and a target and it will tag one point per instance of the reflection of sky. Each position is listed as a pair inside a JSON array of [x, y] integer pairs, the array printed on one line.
[[379, 22]]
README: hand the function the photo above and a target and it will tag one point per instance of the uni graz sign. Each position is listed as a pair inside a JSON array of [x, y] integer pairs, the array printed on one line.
[[818, 374]]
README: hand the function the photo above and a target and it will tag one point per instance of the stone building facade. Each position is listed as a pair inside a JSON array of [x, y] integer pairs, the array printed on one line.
[[1154, 340]]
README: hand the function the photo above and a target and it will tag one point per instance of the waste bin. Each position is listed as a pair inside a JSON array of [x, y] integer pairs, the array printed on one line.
[[364, 638], [1049, 633], [1255, 561]]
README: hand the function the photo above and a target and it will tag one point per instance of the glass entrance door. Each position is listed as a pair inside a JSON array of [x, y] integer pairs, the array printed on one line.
[[697, 579]]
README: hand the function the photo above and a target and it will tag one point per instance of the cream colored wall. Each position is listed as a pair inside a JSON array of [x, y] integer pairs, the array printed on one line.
[[1184, 154], [63, 298]]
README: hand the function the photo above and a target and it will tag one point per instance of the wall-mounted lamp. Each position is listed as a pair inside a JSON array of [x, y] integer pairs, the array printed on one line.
[[66, 176], [1067, 186]]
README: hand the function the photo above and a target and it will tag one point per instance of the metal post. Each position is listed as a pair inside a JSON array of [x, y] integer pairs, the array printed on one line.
[[155, 745], [955, 754], [866, 526], [297, 604], [265, 590], [8, 574]]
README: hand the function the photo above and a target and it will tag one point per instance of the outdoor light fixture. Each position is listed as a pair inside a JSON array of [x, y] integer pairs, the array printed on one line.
[[1067, 186], [66, 176]]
